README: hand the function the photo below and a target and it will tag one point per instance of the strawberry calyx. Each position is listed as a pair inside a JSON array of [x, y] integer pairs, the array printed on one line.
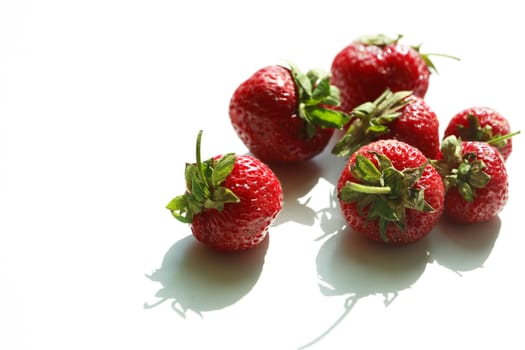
[[382, 40], [499, 141], [371, 120], [315, 92], [426, 58], [473, 131], [386, 191], [463, 171], [203, 186]]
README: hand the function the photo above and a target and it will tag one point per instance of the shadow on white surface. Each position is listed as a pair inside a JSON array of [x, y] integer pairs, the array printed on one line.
[[461, 247], [355, 267], [330, 219], [332, 165], [195, 278], [350, 264], [297, 180]]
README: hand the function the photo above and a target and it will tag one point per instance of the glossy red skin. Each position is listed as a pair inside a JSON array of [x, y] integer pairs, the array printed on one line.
[[243, 225], [419, 224], [487, 117], [418, 126], [363, 72], [263, 112], [488, 201]]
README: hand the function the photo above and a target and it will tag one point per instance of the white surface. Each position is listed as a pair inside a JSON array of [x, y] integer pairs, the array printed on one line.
[[100, 103]]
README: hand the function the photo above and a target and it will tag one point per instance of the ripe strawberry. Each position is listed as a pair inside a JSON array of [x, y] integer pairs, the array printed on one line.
[[389, 192], [482, 124], [475, 180], [230, 200], [370, 65], [401, 115], [280, 114]]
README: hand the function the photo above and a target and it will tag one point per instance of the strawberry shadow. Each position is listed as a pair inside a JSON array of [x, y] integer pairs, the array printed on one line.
[[330, 219], [463, 247], [354, 267], [331, 165], [195, 278], [297, 180]]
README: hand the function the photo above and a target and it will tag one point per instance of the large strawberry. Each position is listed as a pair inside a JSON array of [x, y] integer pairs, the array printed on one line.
[[281, 115], [389, 192], [400, 115], [230, 200], [482, 124], [475, 179], [370, 65]]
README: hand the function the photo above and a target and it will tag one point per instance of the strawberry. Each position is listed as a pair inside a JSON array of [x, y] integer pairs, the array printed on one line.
[[281, 115], [230, 200], [482, 124], [370, 65], [475, 179], [389, 192], [400, 115]]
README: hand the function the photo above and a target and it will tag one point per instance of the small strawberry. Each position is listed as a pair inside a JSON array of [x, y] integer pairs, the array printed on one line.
[[400, 115], [389, 192], [281, 115], [370, 65], [230, 200], [482, 124], [475, 180]]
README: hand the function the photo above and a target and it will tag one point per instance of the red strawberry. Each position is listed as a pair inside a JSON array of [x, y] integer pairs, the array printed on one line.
[[475, 180], [230, 200], [389, 192], [400, 116], [370, 65], [280, 114], [482, 124]]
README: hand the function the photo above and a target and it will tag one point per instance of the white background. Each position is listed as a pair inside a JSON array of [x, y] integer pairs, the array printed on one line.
[[100, 104]]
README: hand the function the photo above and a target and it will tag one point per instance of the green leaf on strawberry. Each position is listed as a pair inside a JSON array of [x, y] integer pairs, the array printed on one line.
[[315, 92], [474, 131], [380, 40], [366, 171], [463, 171], [203, 186], [385, 191], [371, 120], [223, 168]]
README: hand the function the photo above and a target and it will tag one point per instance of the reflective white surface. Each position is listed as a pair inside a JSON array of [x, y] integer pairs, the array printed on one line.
[[100, 104]]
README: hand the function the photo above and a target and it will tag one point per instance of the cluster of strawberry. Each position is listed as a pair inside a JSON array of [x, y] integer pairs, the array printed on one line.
[[401, 177]]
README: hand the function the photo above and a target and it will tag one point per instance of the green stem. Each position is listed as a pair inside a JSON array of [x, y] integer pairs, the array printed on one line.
[[502, 137], [198, 157], [443, 55], [368, 189]]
